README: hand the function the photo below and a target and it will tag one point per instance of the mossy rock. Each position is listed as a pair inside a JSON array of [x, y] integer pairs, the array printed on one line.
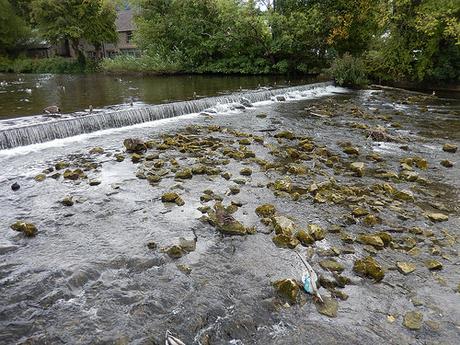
[[96, 150], [265, 210], [40, 177], [246, 171], [369, 267], [153, 178], [61, 165], [447, 163], [288, 289], [358, 168], [316, 232], [437, 217], [433, 265], [28, 229], [373, 240], [329, 307], [405, 267], [283, 185], [351, 150], [67, 201], [413, 320], [119, 157], [226, 175], [74, 174], [285, 135], [404, 195], [285, 241], [385, 237], [172, 198], [184, 174], [283, 225], [305, 238], [451, 148], [244, 141], [359, 212], [175, 251], [134, 145], [331, 265]]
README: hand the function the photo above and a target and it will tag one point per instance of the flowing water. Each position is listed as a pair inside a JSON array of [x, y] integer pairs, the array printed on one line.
[[89, 277]]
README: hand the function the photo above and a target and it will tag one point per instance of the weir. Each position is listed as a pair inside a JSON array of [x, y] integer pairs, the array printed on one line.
[[27, 134]]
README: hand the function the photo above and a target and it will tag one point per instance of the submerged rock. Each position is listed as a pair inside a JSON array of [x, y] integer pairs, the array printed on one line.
[[15, 186], [40, 177], [28, 229], [134, 145], [265, 210], [405, 267], [285, 241], [184, 174], [413, 320], [450, 148], [74, 174], [97, 150], [433, 264], [173, 198], [331, 265], [288, 289], [329, 307], [369, 267], [67, 201], [373, 240], [437, 217], [246, 171], [447, 163]]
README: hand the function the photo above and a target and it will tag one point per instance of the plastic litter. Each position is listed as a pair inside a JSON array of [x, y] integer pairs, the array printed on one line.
[[172, 340], [310, 279]]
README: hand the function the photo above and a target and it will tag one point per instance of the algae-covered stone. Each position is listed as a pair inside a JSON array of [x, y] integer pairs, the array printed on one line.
[[28, 229], [119, 157], [410, 176], [282, 185], [285, 134], [285, 241], [265, 210], [351, 150], [287, 288], [405, 267], [40, 177], [369, 267], [413, 320], [450, 148], [184, 174], [173, 198], [234, 190], [244, 141], [246, 171], [371, 220], [74, 174], [329, 307], [96, 150], [226, 175], [385, 237], [447, 163], [437, 217], [373, 240], [331, 265], [305, 238], [316, 231], [134, 145], [283, 225], [61, 165], [153, 178], [226, 223], [359, 212], [404, 195], [433, 265], [175, 251], [67, 201], [358, 168]]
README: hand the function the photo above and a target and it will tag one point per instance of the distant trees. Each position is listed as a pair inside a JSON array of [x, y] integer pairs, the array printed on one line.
[[74, 20], [14, 30], [409, 39]]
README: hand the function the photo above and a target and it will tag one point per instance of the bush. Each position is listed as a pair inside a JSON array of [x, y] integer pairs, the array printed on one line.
[[47, 65], [349, 71], [143, 64]]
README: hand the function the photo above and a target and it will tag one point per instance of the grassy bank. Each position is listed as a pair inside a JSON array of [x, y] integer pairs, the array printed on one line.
[[143, 64]]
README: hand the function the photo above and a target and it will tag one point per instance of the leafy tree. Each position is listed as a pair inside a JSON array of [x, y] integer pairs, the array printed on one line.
[[13, 29], [74, 20]]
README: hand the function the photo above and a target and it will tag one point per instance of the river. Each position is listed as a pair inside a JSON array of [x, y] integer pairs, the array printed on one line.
[[99, 272]]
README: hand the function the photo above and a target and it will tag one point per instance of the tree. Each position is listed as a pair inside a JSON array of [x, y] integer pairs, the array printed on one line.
[[13, 29], [74, 20]]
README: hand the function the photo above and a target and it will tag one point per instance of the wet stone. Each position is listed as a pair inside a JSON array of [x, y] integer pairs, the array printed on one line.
[[305, 238], [265, 210], [413, 320], [405, 267], [28, 229], [246, 171], [288, 289], [134, 145], [351, 150], [119, 157], [369, 267], [433, 264], [331, 265], [94, 182], [329, 307], [283, 225], [67, 201], [285, 241], [184, 174], [96, 150], [358, 168], [449, 148], [437, 217], [316, 231], [373, 240], [447, 163], [40, 177]]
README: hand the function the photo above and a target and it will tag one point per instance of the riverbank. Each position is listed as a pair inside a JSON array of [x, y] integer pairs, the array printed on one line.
[[343, 178]]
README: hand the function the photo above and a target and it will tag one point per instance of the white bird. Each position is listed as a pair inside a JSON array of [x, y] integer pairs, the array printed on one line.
[[172, 340]]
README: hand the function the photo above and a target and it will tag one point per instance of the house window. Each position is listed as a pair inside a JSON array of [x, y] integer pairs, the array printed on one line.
[[129, 36]]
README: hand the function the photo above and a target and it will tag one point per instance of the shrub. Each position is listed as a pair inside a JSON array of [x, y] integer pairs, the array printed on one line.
[[349, 71], [47, 65], [143, 64]]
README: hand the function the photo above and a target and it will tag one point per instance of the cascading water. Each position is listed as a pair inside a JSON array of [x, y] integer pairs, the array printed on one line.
[[33, 133]]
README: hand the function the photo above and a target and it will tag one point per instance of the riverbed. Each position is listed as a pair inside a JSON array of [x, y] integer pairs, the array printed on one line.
[[119, 265]]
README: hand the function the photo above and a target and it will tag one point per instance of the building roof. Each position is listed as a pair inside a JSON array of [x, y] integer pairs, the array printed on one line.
[[124, 21]]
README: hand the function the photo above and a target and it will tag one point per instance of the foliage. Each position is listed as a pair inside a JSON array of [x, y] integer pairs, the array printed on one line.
[[73, 20], [13, 29], [349, 71], [49, 65], [143, 64]]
